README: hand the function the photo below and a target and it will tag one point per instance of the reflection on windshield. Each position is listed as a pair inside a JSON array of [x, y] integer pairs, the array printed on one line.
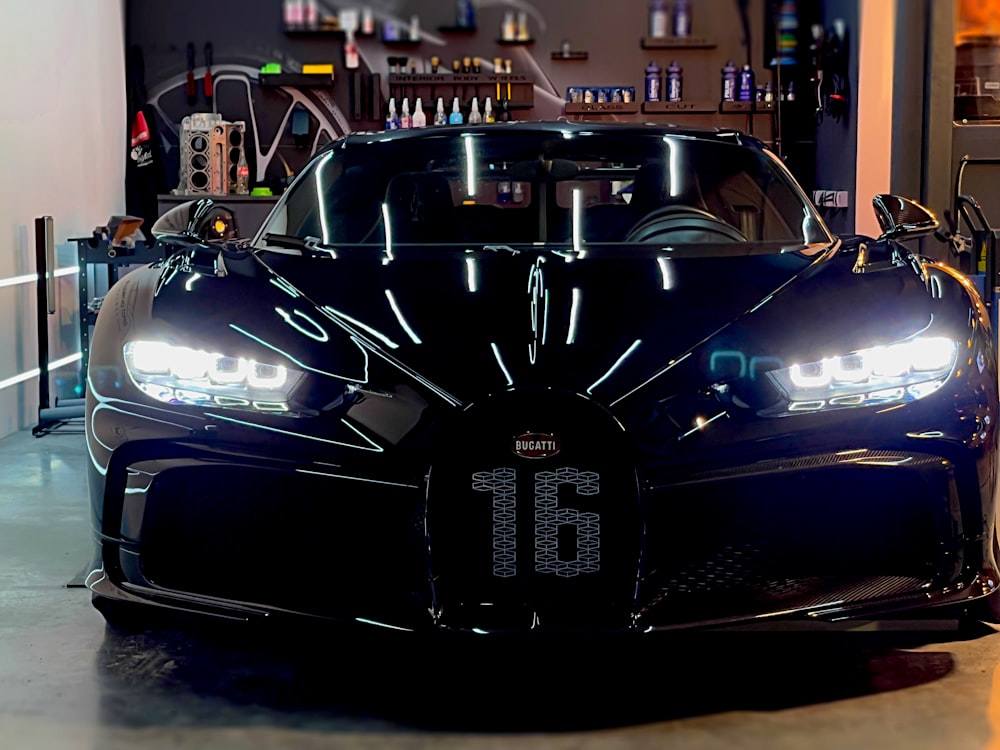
[[527, 187]]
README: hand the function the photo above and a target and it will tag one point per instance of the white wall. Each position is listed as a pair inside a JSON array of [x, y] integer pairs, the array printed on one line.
[[62, 154], [876, 44]]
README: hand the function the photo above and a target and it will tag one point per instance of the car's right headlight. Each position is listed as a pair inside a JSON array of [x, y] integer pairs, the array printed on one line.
[[183, 375], [904, 371]]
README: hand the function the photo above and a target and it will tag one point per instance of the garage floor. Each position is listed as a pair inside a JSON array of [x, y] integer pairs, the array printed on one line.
[[67, 682]]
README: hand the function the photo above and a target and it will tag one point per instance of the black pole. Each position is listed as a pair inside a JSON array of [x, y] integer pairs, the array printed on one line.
[[43, 236]]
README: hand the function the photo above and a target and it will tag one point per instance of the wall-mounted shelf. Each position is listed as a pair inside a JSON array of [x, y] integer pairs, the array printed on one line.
[[602, 108], [317, 32], [401, 42], [299, 80], [457, 29], [515, 42], [517, 90], [680, 108], [746, 107], [571, 55], [708, 108], [678, 42]]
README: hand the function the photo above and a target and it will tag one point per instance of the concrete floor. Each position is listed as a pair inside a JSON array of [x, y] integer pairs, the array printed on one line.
[[68, 682]]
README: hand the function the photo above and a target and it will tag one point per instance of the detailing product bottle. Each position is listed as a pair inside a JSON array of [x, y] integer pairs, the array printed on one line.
[[747, 87], [474, 116], [405, 121], [729, 81], [391, 118], [682, 18], [419, 118], [658, 19], [439, 116], [508, 28], [351, 60], [674, 81], [367, 21], [465, 14], [652, 82], [455, 118], [488, 115], [768, 92], [790, 96]]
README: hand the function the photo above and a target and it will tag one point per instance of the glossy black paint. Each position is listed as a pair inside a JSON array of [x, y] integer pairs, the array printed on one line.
[[385, 493]]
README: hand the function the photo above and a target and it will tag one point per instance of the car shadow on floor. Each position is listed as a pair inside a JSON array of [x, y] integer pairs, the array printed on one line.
[[402, 682]]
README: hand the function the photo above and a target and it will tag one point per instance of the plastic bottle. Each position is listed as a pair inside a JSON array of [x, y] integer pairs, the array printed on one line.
[[658, 19], [391, 118], [729, 81], [652, 82], [351, 58], [455, 118], [674, 81], [474, 116], [682, 18], [790, 96], [465, 14], [419, 118], [439, 116], [405, 121], [747, 87], [488, 115]]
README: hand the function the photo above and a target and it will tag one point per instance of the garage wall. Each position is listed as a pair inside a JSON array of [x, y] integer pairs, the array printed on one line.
[[62, 147]]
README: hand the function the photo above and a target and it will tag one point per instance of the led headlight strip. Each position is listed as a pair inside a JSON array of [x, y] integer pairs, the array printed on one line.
[[182, 375], [905, 371]]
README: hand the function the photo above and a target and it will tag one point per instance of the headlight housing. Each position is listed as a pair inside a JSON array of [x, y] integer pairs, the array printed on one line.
[[182, 375], [900, 372]]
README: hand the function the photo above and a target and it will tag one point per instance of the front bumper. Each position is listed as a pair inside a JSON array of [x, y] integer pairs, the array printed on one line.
[[217, 531]]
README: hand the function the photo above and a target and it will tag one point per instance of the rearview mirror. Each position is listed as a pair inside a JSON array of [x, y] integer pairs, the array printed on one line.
[[903, 219], [202, 220]]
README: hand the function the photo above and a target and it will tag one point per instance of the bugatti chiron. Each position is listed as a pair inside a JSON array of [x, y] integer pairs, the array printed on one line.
[[543, 377]]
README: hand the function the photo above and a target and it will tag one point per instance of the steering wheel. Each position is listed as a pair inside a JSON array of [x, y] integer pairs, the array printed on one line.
[[683, 224]]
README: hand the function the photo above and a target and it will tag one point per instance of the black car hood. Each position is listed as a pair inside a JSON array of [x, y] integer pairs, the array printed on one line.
[[479, 322]]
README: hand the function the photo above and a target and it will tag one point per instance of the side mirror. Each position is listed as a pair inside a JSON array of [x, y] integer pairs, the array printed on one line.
[[903, 219], [198, 221]]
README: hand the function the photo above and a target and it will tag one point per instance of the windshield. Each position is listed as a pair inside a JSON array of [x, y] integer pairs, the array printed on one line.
[[512, 187]]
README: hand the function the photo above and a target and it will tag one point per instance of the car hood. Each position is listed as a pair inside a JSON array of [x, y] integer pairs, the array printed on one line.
[[488, 321]]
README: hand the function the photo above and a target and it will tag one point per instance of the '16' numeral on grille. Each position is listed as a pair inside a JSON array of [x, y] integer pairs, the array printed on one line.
[[549, 517]]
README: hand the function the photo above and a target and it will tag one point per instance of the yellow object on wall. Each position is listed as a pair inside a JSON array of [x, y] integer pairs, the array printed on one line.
[[977, 18]]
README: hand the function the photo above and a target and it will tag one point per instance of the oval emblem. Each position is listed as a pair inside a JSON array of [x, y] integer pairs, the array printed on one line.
[[535, 445]]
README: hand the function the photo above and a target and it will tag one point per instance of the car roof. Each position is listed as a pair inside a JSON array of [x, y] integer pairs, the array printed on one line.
[[620, 129]]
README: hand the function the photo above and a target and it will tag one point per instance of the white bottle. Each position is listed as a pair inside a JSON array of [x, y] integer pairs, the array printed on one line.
[[474, 117], [488, 115], [439, 116], [419, 119], [405, 121], [351, 59]]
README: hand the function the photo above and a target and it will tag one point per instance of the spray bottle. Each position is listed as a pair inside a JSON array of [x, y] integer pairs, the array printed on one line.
[[488, 115]]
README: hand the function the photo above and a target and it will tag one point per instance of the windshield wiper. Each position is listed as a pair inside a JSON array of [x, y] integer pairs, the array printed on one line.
[[309, 245]]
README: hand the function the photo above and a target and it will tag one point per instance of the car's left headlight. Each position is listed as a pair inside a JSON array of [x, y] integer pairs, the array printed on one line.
[[904, 371], [183, 375]]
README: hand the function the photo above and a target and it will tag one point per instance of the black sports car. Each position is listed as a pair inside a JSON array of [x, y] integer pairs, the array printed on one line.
[[543, 376]]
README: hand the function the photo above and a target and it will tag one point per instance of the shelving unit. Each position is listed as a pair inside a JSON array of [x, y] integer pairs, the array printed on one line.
[[304, 80], [678, 42], [517, 90]]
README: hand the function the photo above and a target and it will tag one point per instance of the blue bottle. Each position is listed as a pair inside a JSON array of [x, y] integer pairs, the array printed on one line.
[[652, 82], [674, 81], [682, 18], [465, 14], [748, 88], [729, 82]]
